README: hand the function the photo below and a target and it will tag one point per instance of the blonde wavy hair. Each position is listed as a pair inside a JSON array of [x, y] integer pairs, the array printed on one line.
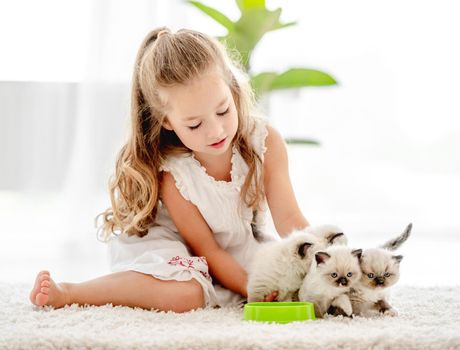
[[164, 60]]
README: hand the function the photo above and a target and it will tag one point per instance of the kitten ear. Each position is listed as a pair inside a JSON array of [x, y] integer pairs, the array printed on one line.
[[397, 258], [321, 257], [334, 236], [302, 249], [358, 253]]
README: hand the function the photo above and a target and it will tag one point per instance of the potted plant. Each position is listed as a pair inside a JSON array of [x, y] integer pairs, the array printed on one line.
[[245, 33]]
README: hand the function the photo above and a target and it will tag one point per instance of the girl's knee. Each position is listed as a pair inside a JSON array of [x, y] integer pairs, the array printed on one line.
[[192, 297]]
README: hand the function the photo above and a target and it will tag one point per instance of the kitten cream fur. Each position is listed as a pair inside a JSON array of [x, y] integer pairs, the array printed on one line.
[[380, 270], [281, 266], [328, 234], [331, 274]]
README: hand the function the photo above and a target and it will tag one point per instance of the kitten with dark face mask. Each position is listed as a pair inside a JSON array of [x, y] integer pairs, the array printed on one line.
[[282, 265], [331, 275], [380, 271]]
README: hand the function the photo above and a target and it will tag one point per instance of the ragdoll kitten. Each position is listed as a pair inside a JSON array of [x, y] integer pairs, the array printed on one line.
[[332, 273], [281, 266], [328, 234], [380, 270]]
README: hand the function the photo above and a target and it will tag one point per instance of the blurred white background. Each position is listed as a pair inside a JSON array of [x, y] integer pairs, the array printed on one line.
[[389, 132]]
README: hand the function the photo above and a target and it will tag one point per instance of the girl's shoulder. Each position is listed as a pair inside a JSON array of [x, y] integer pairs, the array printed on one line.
[[177, 161], [275, 154], [178, 167]]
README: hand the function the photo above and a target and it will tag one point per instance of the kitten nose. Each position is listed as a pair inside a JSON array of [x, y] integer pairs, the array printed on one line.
[[343, 281], [380, 280]]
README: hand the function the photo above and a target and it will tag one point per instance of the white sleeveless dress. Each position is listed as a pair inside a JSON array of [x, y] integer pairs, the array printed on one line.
[[163, 253]]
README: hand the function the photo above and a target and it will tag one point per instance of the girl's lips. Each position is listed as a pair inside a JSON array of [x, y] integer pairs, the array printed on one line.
[[218, 144]]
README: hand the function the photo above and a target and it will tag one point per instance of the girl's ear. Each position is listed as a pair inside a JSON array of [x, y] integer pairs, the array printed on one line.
[[167, 124]]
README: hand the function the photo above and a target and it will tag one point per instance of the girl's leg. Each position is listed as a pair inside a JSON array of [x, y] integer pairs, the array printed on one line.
[[126, 288]]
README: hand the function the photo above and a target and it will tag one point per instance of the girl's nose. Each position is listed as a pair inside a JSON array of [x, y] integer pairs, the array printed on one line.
[[216, 129]]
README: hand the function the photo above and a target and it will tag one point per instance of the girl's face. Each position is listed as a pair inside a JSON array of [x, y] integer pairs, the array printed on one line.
[[202, 114]]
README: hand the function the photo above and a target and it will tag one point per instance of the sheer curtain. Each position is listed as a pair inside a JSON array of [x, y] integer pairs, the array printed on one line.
[[64, 90]]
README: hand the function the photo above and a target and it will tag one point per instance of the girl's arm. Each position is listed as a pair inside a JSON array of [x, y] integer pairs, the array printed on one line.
[[198, 235], [281, 200]]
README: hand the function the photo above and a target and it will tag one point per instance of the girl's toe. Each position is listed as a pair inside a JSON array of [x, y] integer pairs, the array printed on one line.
[[46, 283]]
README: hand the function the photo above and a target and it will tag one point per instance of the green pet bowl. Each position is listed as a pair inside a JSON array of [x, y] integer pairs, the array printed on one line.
[[279, 312]]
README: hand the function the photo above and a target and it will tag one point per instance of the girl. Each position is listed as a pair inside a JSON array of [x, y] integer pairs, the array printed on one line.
[[191, 185]]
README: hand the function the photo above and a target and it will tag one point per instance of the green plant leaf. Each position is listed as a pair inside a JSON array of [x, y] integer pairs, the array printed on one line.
[[290, 79], [249, 29], [284, 25], [243, 35], [262, 82], [214, 14], [248, 4], [301, 77], [299, 141]]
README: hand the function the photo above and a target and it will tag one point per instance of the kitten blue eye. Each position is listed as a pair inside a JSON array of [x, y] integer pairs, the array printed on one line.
[[386, 274], [349, 274], [370, 275], [333, 275]]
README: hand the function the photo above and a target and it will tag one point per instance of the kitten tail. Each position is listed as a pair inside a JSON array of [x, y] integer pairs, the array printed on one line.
[[395, 243]]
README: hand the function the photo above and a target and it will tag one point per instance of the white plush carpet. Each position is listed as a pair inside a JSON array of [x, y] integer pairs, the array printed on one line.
[[429, 319]]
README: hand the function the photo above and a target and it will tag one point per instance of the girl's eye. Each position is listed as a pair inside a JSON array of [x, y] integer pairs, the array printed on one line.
[[370, 275], [386, 274], [194, 127], [333, 275], [349, 274], [223, 113]]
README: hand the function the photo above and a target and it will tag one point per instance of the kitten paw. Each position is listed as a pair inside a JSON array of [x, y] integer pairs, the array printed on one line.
[[348, 310], [343, 302], [338, 311], [390, 312]]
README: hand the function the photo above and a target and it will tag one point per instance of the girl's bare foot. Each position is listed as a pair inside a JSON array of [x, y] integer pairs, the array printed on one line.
[[46, 292]]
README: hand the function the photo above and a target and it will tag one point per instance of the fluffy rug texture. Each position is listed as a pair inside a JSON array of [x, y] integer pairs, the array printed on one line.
[[429, 319]]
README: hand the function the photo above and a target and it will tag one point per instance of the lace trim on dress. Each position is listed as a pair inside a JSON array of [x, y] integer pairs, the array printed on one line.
[[235, 172], [259, 138]]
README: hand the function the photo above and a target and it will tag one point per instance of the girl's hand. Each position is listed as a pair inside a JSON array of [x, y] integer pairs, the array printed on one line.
[[271, 297]]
